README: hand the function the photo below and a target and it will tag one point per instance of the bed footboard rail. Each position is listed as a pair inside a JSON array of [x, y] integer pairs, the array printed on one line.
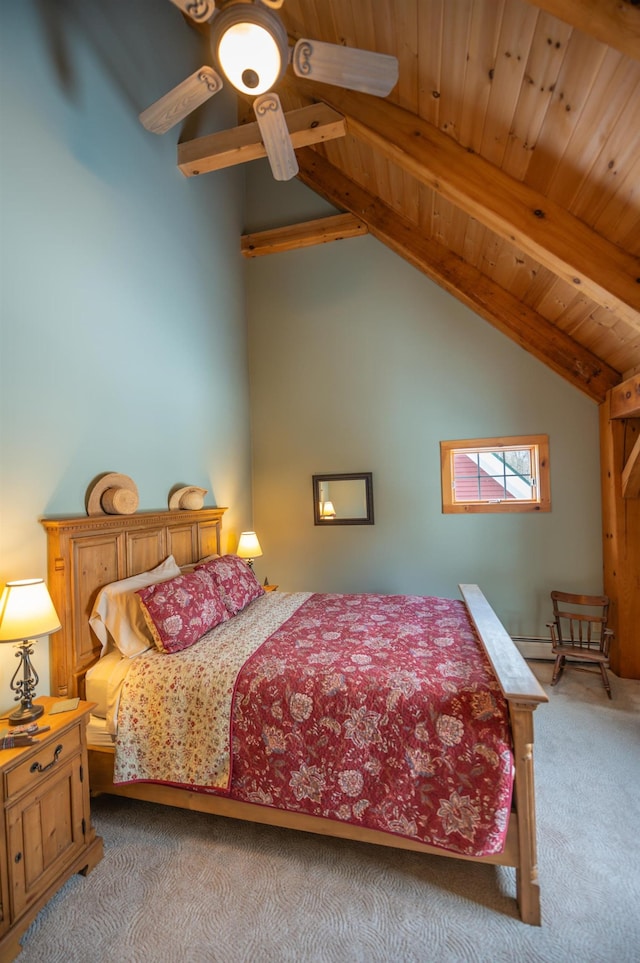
[[523, 693]]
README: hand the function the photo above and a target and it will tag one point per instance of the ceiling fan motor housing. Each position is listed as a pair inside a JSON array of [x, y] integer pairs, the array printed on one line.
[[240, 35]]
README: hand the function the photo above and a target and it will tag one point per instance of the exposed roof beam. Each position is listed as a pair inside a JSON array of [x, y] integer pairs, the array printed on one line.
[[625, 403], [538, 226], [289, 238], [625, 399], [631, 473], [505, 312], [307, 125], [614, 22]]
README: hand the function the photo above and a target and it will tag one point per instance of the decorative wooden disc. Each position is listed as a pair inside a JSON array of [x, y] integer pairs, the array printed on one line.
[[112, 494], [190, 498]]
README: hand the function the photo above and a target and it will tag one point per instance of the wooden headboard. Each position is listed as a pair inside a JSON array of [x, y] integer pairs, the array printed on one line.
[[86, 553]]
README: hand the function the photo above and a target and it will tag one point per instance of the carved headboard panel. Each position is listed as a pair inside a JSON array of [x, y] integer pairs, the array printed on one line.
[[86, 553]]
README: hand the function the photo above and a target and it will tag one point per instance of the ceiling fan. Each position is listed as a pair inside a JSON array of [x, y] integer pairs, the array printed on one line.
[[250, 48]]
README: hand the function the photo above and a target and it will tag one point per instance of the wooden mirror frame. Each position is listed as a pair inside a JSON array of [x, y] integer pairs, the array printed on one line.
[[326, 522]]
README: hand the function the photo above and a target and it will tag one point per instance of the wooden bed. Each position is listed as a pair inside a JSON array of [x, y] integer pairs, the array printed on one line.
[[86, 553]]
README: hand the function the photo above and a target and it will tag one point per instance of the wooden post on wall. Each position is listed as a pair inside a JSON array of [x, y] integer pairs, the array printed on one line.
[[620, 466]]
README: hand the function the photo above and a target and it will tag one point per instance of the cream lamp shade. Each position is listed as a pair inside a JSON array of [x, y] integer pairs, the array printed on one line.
[[249, 546], [26, 612]]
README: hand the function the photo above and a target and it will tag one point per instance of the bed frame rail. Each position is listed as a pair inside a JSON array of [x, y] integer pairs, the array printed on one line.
[[524, 694]]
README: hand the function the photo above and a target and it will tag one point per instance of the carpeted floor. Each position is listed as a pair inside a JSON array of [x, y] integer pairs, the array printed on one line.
[[182, 887]]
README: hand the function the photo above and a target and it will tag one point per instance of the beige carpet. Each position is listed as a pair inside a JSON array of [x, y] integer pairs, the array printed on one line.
[[188, 888]]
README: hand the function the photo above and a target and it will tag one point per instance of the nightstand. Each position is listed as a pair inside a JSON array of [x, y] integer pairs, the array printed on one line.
[[46, 834]]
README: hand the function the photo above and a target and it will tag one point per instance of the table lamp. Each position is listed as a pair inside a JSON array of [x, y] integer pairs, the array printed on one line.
[[26, 613], [249, 547], [327, 510]]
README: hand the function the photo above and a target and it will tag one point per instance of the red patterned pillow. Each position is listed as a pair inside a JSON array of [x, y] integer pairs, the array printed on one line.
[[180, 611], [235, 581]]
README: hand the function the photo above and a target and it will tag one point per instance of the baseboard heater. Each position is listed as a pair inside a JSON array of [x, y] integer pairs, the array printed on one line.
[[534, 647]]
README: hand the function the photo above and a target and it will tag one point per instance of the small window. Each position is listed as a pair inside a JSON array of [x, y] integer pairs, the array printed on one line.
[[496, 475]]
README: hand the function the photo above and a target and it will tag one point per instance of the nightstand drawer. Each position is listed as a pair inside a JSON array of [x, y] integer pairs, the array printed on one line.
[[27, 774]]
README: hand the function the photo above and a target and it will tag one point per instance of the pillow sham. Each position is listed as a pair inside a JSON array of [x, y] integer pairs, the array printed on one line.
[[116, 616], [235, 580], [181, 611], [191, 567]]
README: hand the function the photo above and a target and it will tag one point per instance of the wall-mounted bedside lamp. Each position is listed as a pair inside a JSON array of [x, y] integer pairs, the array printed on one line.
[[26, 613], [249, 547]]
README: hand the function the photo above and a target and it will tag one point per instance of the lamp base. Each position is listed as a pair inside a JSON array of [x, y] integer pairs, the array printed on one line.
[[25, 714]]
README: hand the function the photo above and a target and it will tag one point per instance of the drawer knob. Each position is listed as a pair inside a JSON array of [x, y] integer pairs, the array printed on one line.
[[38, 767]]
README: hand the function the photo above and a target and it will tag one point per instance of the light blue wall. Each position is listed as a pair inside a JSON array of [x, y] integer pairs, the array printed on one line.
[[123, 343], [358, 362]]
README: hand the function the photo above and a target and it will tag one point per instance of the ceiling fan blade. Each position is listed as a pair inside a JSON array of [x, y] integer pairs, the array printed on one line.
[[349, 67], [275, 136], [200, 11], [162, 115]]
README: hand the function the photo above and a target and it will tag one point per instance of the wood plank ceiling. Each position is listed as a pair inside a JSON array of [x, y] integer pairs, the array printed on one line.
[[505, 164]]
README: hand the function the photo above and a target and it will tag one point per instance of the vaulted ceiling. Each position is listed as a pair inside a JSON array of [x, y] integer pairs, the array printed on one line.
[[505, 164]]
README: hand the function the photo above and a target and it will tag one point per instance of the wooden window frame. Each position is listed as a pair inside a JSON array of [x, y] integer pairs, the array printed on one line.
[[539, 445]]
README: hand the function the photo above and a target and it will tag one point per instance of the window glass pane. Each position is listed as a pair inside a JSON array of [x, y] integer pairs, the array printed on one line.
[[518, 462], [465, 465], [491, 475], [491, 489]]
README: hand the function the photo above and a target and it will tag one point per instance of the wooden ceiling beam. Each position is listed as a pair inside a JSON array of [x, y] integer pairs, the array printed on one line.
[[612, 22], [625, 399], [501, 309], [625, 403], [539, 226], [631, 473], [307, 125], [621, 539], [306, 234]]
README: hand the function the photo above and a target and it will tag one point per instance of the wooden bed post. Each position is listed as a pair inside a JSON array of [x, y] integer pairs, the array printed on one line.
[[527, 885]]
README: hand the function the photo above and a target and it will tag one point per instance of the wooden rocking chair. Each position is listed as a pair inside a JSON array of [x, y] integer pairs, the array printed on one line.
[[580, 632]]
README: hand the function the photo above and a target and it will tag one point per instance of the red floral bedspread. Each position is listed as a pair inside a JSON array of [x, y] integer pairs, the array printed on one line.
[[381, 711]]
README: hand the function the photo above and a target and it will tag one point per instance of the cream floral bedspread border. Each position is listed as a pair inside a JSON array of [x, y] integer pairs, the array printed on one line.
[[158, 730]]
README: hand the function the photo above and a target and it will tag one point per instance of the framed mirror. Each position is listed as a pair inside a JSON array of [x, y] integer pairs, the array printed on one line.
[[343, 499]]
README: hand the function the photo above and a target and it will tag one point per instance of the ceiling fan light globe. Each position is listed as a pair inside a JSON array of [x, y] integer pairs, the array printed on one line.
[[246, 49], [250, 46]]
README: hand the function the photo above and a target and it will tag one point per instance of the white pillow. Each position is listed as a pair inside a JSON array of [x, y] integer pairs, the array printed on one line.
[[117, 616]]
